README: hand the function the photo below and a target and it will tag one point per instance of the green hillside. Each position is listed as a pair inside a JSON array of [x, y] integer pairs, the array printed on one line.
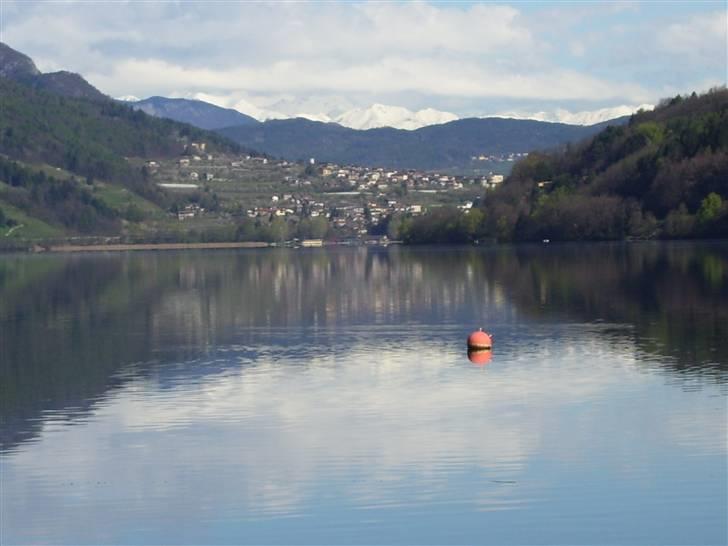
[[16, 224], [89, 138], [664, 174], [64, 202], [76, 166]]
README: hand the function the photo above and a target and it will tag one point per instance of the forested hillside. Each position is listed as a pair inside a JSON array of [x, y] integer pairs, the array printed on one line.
[[63, 202], [90, 140], [664, 174], [668, 166]]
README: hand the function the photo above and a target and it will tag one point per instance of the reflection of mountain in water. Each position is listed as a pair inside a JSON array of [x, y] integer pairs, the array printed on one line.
[[73, 328]]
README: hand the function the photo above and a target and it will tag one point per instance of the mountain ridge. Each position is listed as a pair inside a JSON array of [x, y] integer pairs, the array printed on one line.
[[195, 112], [18, 67], [450, 145]]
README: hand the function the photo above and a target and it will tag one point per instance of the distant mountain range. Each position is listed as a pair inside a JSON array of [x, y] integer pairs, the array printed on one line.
[[450, 145], [397, 117], [206, 115], [447, 146], [380, 115]]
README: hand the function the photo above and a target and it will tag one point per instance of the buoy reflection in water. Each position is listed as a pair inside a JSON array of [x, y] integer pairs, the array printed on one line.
[[480, 357]]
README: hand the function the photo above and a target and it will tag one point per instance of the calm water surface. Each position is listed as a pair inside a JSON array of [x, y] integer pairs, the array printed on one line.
[[325, 396]]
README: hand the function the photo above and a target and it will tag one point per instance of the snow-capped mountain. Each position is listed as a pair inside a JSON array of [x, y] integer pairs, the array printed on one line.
[[323, 118], [578, 118], [398, 117], [381, 115], [346, 112], [377, 115], [128, 98]]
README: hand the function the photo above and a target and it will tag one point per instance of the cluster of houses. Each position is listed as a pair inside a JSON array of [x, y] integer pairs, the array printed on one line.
[[500, 158], [351, 199], [197, 174], [355, 219], [189, 211], [369, 179], [290, 205]]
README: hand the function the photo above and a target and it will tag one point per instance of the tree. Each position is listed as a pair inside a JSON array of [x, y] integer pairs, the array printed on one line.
[[710, 208], [248, 231], [278, 230], [313, 228], [396, 226], [679, 223], [473, 224]]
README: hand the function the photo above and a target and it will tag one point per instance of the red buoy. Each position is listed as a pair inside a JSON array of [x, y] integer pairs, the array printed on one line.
[[479, 340]]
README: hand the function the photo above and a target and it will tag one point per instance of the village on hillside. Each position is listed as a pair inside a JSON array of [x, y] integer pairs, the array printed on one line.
[[354, 201]]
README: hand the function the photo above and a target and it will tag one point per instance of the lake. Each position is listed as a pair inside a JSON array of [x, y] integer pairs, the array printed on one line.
[[325, 396]]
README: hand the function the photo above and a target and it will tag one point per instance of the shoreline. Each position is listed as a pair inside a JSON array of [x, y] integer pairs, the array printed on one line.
[[40, 248], [147, 246]]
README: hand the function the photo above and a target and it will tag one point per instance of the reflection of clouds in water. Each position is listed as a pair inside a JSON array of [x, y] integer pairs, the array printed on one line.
[[705, 436], [389, 426], [394, 426]]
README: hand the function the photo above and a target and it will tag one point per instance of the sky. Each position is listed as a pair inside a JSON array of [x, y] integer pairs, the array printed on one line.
[[468, 58]]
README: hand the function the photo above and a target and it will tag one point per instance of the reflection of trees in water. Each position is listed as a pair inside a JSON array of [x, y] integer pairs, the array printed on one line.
[[675, 296], [66, 327], [282, 289], [69, 325]]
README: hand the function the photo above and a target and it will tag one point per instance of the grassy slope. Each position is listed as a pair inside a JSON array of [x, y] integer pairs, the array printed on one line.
[[120, 198], [27, 226]]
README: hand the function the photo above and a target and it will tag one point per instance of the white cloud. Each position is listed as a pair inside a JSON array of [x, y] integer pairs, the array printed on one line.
[[577, 48], [388, 75], [703, 35], [440, 56]]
